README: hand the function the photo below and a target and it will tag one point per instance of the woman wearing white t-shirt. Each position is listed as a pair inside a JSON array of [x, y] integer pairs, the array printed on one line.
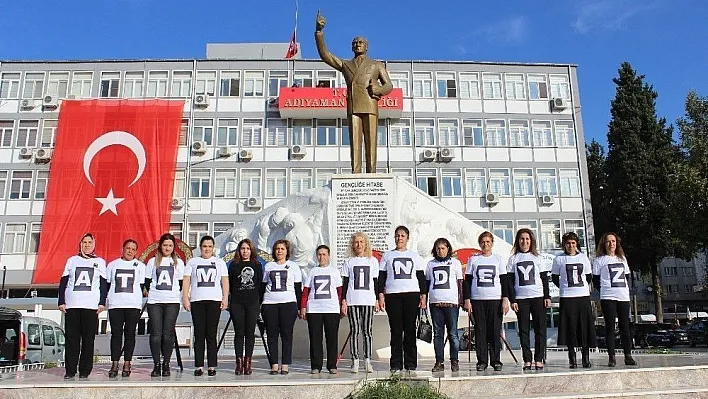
[[163, 277], [282, 280], [486, 293], [610, 274], [126, 278], [529, 295], [82, 297], [444, 292], [320, 306], [401, 286], [205, 294], [572, 273]]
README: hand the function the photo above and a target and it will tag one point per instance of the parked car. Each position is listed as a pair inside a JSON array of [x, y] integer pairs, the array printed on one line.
[[652, 334], [697, 333], [28, 339], [680, 336], [602, 341]]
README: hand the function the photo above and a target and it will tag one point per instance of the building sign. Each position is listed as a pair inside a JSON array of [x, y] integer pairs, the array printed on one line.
[[324, 102]]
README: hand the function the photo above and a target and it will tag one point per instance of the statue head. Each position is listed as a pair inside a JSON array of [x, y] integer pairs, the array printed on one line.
[[360, 45]]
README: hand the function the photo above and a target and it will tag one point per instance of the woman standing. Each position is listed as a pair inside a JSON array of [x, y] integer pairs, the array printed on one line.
[[245, 279], [205, 295], [401, 286], [126, 278], [359, 281], [529, 296], [283, 291], [572, 274], [486, 292], [164, 274], [82, 297], [610, 275], [321, 298], [444, 287]]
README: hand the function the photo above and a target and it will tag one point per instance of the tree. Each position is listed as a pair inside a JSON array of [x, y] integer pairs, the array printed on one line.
[[597, 179], [641, 153]]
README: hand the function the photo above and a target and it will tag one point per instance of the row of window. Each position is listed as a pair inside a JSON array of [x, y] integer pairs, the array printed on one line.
[[551, 231], [674, 289], [236, 83], [421, 132], [673, 271]]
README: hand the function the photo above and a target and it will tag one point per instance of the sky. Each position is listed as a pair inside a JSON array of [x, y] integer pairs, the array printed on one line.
[[666, 40]]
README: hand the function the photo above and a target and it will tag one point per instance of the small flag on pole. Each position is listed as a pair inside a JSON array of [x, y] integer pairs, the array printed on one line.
[[292, 48]]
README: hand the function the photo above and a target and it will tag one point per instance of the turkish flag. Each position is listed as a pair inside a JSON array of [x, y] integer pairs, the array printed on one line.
[[292, 49], [112, 174]]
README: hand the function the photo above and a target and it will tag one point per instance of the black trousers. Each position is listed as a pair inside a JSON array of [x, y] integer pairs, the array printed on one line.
[[244, 317], [163, 317], [620, 310], [532, 307], [403, 311], [279, 320], [123, 321], [487, 330], [81, 325], [205, 318], [316, 322]]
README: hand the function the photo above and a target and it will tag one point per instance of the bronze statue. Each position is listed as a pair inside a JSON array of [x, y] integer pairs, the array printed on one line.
[[363, 76]]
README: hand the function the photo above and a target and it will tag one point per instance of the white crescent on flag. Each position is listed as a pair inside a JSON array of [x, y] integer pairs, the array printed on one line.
[[116, 138]]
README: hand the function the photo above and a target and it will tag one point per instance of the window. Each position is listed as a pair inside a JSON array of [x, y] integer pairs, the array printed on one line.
[[565, 134], [427, 181], [560, 88], [688, 288], [447, 86], [180, 179], [469, 85], [495, 132], [35, 233], [276, 183], [538, 87], [225, 183], [300, 180], [381, 134], [519, 135], [399, 79], [577, 227], [58, 84], [492, 86], [49, 131], [523, 182], [302, 78], [528, 224], [222, 227], [81, 83], [475, 182], [472, 132], [550, 235], [277, 132], [483, 223], [542, 134], [199, 183], [133, 84], [34, 85], [515, 86], [48, 334], [206, 83], [176, 230], [570, 183], [203, 131], [10, 85], [424, 132], [401, 133], [547, 183], [14, 242], [183, 130], [110, 84], [250, 183], [345, 139], [449, 132], [504, 229], [499, 182], [6, 128], [451, 183], [405, 174], [227, 132], [422, 84], [40, 189], [33, 337], [324, 176], [21, 184], [252, 133], [327, 79], [3, 183], [302, 132], [326, 132], [276, 80], [181, 83], [196, 232], [27, 134], [688, 271], [158, 82], [230, 83]]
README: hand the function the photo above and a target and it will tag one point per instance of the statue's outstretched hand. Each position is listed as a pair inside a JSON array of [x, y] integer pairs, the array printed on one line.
[[320, 22]]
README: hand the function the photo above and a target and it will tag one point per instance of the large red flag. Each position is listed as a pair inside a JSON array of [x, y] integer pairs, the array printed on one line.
[[112, 174], [292, 48]]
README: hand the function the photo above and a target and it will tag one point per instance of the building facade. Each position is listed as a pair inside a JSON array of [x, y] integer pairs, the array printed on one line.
[[500, 143]]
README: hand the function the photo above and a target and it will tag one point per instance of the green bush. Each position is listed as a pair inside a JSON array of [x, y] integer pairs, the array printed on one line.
[[50, 365], [397, 388]]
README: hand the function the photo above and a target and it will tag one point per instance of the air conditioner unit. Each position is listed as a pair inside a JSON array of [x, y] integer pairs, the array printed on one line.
[[199, 147], [298, 150], [43, 155], [245, 155], [225, 152], [446, 154], [253, 202], [177, 203], [273, 102], [26, 152], [491, 198], [429, 155], [26, 104], [201, 100], [547, 200], [50, 102], [560, 103]]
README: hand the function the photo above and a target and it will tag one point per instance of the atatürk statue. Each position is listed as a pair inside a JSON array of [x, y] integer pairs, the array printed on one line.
[[362, 75]]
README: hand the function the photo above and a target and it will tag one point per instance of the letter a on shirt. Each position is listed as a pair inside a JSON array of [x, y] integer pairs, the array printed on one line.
[[165, 276], [83, 276]]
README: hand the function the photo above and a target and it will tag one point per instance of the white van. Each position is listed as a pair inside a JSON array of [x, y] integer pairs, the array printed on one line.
[[29, 339]]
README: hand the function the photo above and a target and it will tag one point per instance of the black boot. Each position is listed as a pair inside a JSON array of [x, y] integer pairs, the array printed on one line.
[[586, 358], [572, 359], [612, 362], [113, 372], [156, 370], [165, 369]]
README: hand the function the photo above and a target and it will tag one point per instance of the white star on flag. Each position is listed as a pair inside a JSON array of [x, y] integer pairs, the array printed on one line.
[[109, 203]]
